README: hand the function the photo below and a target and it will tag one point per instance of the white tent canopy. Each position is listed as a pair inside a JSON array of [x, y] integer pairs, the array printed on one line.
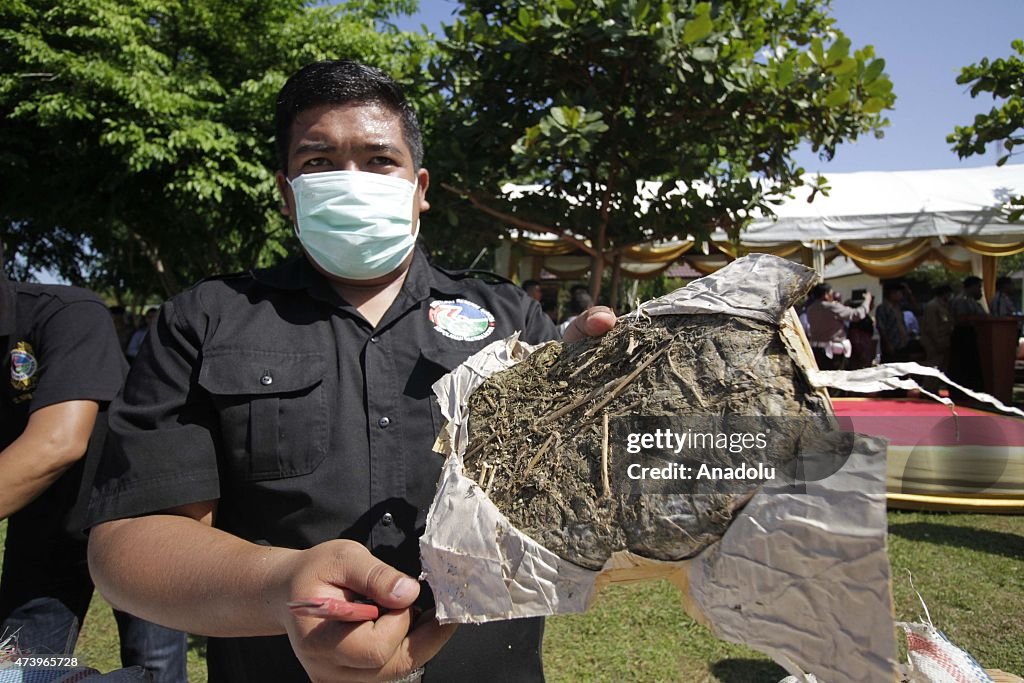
[[894, 205], [887, 223]]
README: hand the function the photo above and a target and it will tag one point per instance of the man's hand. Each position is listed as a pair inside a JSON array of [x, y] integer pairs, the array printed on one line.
[[176, 570], [380, 650], [592, 322]]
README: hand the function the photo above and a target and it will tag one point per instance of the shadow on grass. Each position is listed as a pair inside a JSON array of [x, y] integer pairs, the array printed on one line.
[[197, 644], [747, 671], [983, 540]]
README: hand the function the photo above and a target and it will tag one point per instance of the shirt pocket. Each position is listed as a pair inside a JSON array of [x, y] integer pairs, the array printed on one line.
[[272, 409], [444, 358]]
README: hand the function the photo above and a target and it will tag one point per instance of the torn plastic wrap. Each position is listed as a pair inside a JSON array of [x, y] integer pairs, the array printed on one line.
[[803, 577]]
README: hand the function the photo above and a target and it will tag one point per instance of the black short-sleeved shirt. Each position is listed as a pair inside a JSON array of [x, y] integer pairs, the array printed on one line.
[[59, 345], [271, 394]]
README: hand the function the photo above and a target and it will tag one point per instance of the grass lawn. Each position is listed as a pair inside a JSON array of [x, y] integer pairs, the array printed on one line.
[[968, 568]]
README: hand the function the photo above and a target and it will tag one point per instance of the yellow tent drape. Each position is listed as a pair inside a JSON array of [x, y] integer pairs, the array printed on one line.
[[945, 259], [648, 253], [883, 255], [878, 260], [782, 250], [568, 273], [987, 248], [546, 247], [705, 265]]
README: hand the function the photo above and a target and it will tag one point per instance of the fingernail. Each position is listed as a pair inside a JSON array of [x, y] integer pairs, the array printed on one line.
[[405, 589]]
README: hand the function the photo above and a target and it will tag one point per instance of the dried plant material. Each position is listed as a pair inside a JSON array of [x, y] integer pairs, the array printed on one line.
[[546, 440]]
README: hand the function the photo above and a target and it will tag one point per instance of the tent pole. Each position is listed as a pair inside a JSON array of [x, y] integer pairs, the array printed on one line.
[[818, 249]]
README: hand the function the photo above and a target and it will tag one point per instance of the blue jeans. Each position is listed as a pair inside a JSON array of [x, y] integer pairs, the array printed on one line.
[[45, 590]]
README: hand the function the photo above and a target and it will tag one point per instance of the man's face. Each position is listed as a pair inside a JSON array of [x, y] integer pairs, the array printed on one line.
[[535, 292], [351, 137], [974, 291]]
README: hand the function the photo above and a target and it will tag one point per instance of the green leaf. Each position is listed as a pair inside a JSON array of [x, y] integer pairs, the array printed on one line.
[[839, 49], [837, 97], [785, 74], [873, 105], [845, 66], [700, 26], [704, 54], [874, 70]]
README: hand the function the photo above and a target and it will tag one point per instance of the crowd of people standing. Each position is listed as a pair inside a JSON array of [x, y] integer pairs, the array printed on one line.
[[849, 336]]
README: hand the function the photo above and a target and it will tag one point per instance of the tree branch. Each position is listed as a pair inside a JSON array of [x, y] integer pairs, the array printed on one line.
[[520, 223]]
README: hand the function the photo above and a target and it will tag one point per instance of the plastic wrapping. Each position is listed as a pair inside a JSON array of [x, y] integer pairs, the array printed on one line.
[[803, 577]]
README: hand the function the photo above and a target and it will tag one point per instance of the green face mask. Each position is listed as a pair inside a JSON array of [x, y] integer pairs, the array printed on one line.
[[355, 225]]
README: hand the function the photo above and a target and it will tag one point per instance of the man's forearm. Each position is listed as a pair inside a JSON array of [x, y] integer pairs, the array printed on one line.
[[24, 477], [181, 573], [56, 437]]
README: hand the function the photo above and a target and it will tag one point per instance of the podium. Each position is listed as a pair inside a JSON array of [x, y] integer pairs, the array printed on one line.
[[997, 350]]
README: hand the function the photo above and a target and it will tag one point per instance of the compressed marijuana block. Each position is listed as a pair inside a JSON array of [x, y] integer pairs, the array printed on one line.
[[556, 441], [539, 505]]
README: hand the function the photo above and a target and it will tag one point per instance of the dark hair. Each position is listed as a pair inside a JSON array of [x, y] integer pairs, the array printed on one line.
[[820, 290], [1003, 281], [580, 302], [340, 82], [971, 280], [529, 284], [890, 287], [942, 290]]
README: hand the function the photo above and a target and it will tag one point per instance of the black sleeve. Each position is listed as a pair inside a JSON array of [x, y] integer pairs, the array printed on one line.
[[79, 357], [160, 450]]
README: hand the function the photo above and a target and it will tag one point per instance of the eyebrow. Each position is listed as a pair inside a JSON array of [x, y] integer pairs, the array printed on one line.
[[312, 147]]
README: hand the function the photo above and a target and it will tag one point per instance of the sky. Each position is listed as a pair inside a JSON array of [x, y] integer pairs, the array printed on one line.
[[925, 43]]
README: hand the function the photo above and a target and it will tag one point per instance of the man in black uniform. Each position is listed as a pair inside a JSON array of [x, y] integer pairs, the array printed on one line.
[[62, 365], [273, 442]]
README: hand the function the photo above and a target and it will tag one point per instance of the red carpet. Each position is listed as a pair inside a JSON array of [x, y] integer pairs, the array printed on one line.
[[917, 423], [970, 463]]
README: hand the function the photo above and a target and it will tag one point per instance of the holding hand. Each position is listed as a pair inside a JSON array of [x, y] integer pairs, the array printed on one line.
[[379, 650], [592, 322]]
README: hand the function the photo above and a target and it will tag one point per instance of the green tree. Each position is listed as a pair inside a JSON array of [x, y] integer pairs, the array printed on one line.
[[137, 146], [1004, 123], [588, 98]]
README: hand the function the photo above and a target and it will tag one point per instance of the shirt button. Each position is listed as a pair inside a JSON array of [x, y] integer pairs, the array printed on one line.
[[387, 519], [374, 339], [383, 422], [266, 380]]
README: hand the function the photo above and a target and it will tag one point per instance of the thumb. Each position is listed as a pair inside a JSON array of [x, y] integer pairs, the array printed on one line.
[[592, 322], [383, 584]]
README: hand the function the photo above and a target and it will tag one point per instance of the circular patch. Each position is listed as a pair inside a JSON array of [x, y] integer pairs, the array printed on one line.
[[23, 366], [461, 320]]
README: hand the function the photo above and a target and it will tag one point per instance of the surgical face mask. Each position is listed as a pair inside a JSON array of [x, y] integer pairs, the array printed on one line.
[[355, 225]]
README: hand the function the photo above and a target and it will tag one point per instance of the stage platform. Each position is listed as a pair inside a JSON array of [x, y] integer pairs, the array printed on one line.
[[971, 462]]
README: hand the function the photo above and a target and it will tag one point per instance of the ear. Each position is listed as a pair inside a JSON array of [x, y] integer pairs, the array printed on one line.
[[287, 208], [422, 183]]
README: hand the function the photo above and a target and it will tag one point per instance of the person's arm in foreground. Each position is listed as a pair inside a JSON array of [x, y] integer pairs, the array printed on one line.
[[55, 437], [177, 570]]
